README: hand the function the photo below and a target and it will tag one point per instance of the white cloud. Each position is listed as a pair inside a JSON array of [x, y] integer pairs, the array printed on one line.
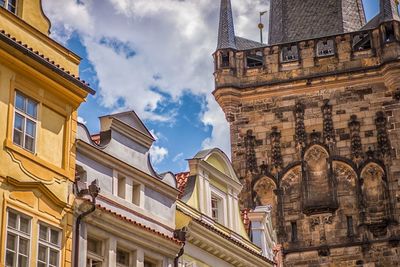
[[178, 157], [81, 120], [172, 40], [158, 154]]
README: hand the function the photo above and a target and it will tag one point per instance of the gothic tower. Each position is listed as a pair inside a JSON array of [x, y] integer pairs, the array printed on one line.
[[315, 124]]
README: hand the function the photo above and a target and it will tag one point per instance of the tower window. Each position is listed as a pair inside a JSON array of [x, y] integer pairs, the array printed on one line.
[[255, 59], [294, 231], [10, 5], [350, 231], [290, 53], [388, 33], [225, 59], [361, 42], [325, 48]]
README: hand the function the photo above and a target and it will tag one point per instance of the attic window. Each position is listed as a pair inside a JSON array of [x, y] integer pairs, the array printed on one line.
[[254, 59], [325, 48], [216, 208], [225, 59], [10, 5], [361, 42], [290, 53]]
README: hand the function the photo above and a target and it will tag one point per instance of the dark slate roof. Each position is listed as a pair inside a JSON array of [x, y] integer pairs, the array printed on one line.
[[244, 44], [226, 32]]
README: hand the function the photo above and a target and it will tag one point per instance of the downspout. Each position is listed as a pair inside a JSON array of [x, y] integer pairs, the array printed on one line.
[[181, 236], [93, 191]]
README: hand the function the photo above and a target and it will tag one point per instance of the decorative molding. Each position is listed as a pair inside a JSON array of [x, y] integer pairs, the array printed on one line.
[[276, 156], [384, 148], [356, 145], [328, 130], [251, 160], [300, 130]]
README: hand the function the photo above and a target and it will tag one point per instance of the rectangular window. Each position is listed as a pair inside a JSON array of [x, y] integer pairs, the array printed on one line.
[[10, 5], [350, 231], [49, 246], [136, 194], [121, 186], [18, 239], [215, 208], [294, 231], [25, 120], [122, 258], [94, 253]]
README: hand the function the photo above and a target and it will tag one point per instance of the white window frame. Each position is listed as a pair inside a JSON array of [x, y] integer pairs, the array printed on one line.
[[92, 256], [18, 234], [222, 209], [7, 4], [26, 117], [49, 245]]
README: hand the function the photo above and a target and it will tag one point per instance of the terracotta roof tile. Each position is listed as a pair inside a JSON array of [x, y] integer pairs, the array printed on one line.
[[176, 241], [42, 59], [181, 180]]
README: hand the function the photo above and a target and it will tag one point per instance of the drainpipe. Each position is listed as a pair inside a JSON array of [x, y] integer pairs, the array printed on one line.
[[181, 236], [93, 191]]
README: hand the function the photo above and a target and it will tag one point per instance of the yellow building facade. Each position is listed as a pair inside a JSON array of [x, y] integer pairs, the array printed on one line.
[[39, 95]]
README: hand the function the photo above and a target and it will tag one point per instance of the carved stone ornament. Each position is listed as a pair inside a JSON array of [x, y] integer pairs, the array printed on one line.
[[328, 130], [314, 221], [300, 130], [315, 137], [264, 168], [276, 156], [382, 135], [356, 146], [250, 144]]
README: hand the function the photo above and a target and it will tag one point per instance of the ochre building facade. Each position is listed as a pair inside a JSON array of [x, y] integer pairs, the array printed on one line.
[[315, 125], [39, 97]]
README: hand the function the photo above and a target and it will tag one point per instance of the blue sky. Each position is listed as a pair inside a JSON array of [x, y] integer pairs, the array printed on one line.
[[154, 56]]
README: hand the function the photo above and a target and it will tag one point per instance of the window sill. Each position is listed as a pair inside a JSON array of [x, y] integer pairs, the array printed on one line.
[[34, 158]]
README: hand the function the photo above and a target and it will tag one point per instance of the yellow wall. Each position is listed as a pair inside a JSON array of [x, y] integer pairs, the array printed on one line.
[[39, 184]]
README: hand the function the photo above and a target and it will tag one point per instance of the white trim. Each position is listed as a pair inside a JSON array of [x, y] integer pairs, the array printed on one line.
[[222, 211]]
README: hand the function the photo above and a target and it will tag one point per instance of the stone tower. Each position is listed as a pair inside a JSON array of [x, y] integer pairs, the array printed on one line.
[[315, 128], [293, 20]]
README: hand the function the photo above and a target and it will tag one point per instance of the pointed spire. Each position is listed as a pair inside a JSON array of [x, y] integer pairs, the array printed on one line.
[[226, 33], [390, 10]]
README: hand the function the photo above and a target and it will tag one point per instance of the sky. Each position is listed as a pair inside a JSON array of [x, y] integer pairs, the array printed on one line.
[[155, 57]]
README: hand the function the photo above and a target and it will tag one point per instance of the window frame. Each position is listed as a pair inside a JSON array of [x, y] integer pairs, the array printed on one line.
[[118, 264], [25, 117], [7, 4], [222, 201], [93, 256], [49, 245], [18, 234]]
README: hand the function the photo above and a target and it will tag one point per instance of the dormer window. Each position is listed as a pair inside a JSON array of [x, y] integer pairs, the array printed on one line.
[[217, 206], [10, 5]]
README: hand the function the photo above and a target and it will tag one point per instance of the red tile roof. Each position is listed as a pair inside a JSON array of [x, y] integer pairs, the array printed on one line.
[[181, 180], [24, 48], [176, 241]]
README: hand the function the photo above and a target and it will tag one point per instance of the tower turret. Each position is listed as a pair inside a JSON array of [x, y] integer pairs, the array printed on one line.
[[226, 32]]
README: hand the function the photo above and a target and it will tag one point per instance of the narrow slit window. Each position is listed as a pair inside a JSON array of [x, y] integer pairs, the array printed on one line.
[[294, 231], [350, 227], [121, 186]]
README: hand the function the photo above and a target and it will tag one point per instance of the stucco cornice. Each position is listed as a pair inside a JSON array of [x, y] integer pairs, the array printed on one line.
[[142, 177]]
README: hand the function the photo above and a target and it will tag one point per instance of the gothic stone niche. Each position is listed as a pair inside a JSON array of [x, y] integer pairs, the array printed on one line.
[[346, 178], [317, 182], [290, 184], [265, 195], [375, 205]]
